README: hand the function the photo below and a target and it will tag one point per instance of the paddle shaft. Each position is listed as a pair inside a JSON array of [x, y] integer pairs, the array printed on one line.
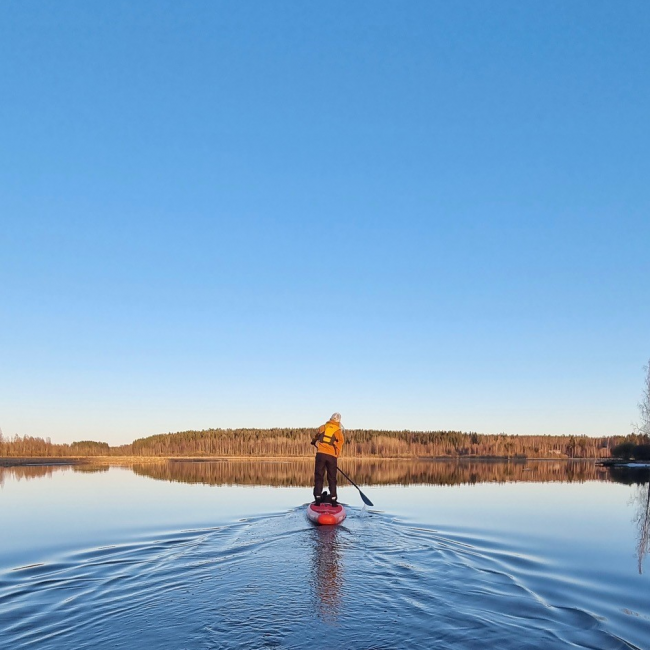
[[364, 498]]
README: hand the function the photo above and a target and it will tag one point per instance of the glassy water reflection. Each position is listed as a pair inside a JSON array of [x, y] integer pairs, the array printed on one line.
[[371, 472], [218, 555]]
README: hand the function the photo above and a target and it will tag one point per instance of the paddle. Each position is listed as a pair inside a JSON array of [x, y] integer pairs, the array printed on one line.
[[364, 498]]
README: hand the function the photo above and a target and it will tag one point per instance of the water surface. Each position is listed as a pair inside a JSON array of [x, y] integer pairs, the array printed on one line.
[[220, 555]]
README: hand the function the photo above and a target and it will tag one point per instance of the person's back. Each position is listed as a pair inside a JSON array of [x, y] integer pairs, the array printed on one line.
[[330, 437]]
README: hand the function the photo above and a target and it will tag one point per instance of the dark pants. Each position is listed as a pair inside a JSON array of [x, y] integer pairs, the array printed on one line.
[[325, 462]]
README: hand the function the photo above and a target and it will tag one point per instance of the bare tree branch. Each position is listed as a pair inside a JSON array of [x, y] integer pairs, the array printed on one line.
[[644, 405]]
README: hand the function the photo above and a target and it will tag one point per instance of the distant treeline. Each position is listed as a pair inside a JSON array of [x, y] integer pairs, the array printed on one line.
[[360, 443], [632, 450], [38, 447]]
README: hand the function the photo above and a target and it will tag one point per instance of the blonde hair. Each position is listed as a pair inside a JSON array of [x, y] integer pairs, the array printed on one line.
[[336, 417]]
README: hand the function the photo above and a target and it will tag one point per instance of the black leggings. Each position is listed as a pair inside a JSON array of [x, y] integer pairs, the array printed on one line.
[[325, 462]]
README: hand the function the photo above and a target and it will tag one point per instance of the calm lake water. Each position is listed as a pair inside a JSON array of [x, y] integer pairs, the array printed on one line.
[[220, 555]]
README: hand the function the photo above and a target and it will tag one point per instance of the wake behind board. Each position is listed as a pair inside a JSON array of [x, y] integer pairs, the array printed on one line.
[[325, 514]]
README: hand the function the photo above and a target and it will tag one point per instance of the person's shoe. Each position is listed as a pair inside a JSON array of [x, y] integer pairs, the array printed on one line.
[[335, 502], [317, 501]]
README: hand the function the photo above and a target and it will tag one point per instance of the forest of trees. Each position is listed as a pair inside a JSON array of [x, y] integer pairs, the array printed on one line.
[[635, 447], [360, 443], [34, 447], [367, 443]]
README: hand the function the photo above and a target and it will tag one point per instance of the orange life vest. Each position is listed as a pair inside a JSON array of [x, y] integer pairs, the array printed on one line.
[[330, 438]]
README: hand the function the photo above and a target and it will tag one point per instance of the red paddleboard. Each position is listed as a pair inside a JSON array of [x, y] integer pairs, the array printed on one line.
[[325, 514]]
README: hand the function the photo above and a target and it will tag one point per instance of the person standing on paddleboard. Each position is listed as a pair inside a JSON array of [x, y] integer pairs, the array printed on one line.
[[328, 442]]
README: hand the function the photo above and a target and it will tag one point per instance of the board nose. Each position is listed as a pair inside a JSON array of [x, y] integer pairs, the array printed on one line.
[[326, 519]]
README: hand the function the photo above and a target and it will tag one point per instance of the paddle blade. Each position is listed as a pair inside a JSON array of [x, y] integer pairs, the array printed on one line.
[[365, 499]]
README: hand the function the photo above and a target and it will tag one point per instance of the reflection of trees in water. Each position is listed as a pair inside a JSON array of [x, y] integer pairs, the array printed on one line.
[[20, 472], [639, 477], [629, 475], [26, 472], [327, 573], [90, 469], [299, 473], [642, 498]]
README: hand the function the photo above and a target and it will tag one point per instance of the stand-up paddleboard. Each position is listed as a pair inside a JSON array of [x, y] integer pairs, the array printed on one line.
[[325, 514]]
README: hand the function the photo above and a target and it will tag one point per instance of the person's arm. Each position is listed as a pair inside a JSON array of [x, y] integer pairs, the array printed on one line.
[[314, 438], [340, 439]]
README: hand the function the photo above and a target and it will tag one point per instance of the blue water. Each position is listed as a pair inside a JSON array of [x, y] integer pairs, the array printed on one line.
[[116, 560]]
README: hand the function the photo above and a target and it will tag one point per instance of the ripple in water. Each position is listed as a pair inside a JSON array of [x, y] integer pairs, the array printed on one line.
[[279, 582]]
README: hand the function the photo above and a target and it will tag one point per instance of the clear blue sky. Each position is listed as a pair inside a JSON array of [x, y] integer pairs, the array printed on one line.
[[424, 215]]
